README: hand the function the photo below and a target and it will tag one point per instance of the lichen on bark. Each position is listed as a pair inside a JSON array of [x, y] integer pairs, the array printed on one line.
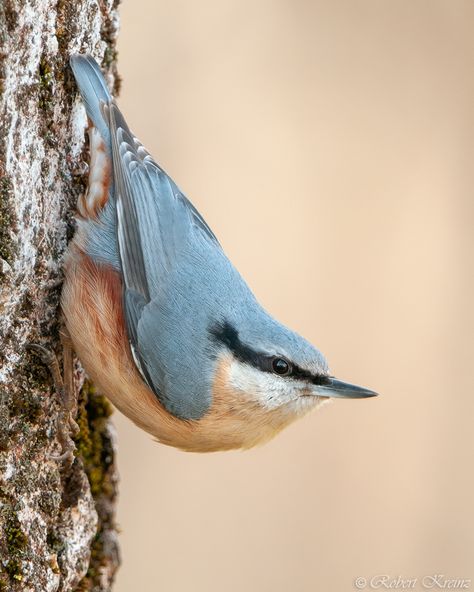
[[57, 527]]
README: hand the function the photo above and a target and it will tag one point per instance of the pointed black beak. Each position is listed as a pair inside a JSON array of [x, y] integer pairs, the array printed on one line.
[[342, 390]]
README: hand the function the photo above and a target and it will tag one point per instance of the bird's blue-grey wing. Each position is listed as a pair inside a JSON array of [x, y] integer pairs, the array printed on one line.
[[157, 230]]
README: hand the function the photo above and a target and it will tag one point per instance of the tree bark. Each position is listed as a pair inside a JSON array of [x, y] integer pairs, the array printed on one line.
[[56, 524]]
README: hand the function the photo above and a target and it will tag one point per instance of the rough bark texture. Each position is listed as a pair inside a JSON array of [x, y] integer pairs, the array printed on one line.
[[56, 526]]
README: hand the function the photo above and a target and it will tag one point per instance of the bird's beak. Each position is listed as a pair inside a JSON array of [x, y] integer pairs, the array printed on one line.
[[342, 390]]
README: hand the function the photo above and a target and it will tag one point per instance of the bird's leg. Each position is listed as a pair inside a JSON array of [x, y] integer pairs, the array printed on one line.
[[64, 386], [69, 399]]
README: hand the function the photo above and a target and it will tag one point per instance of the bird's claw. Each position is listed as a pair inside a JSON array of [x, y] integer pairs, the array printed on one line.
[[66, 457]]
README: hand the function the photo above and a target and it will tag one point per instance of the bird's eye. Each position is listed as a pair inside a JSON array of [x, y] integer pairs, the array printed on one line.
[[281, 366]]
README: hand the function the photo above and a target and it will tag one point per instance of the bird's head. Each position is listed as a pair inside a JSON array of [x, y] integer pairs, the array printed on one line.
[[276, 368]]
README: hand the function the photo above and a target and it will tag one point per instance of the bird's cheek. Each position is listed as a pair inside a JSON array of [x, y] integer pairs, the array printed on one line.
[[229, 394]]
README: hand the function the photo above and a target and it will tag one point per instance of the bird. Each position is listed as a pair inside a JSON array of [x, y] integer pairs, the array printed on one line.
[[161, 320]]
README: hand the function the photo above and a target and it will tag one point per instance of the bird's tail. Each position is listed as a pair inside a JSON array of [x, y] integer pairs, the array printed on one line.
[[94, 91]]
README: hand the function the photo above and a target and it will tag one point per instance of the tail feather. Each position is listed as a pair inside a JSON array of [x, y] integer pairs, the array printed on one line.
[[93, 89]]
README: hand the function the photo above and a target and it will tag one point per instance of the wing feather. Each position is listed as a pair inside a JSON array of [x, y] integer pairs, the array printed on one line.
[[156, 226]]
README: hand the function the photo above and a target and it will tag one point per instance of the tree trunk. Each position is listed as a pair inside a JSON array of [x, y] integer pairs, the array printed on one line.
[[56, 523]]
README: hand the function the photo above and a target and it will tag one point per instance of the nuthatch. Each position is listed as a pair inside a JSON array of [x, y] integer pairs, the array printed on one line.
[[161, 320]]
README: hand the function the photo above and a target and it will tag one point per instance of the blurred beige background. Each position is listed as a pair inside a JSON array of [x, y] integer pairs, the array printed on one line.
[[329, 144]]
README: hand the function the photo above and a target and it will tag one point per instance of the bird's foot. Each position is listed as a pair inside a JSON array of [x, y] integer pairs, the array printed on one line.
[[64, 386]]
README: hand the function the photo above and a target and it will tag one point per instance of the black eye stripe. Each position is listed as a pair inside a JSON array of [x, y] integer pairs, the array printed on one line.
[[226, 334]]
